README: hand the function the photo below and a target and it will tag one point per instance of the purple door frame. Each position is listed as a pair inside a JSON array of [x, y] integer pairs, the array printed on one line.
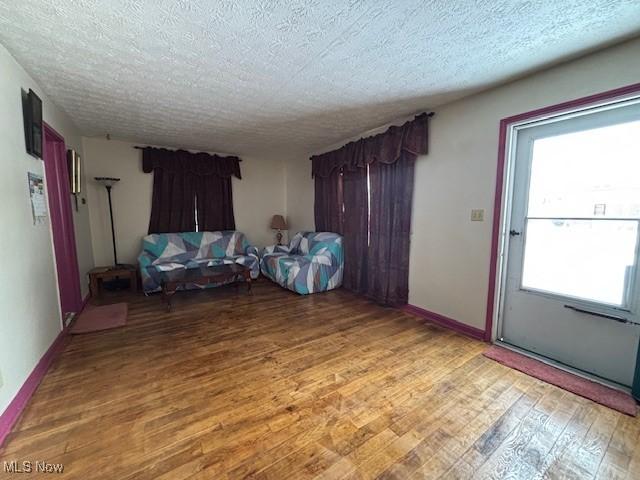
[[505, 123], [64, 240]]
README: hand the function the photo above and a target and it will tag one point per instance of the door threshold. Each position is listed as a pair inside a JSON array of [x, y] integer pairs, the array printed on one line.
[[562, 366]]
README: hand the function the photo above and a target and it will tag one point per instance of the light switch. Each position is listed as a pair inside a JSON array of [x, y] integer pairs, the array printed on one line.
[[477, 215]]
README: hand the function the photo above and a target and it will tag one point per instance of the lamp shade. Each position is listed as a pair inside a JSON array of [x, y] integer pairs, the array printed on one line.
[[278, 223]]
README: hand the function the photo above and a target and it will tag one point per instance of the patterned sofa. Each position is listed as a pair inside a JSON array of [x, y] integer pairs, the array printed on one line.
[[312, 262], [168, 251]]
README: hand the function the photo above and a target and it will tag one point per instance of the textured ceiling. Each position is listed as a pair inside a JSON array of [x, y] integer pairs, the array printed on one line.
[[249, 77]]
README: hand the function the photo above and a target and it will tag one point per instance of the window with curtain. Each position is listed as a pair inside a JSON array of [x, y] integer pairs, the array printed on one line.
[[364, 192], [191, 191]]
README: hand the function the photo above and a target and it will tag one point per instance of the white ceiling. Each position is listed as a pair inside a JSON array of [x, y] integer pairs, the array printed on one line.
[[249, 77]]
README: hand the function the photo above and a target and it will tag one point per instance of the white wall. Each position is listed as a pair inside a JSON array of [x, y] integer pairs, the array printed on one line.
[[29, 302], [449, 261], [256, 198], [300, 194], [449, 264]]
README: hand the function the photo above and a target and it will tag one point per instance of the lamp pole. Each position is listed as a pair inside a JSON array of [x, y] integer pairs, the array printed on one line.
[[113, 231], [109, 182]]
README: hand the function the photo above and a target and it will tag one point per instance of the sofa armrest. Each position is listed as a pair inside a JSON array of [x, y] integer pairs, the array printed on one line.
[[275, 249], [322, 259], [252, 251], [329, 255], [144, 260]]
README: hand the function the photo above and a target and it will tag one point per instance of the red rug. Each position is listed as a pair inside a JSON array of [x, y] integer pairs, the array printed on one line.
[[94, 319], [597, 392]]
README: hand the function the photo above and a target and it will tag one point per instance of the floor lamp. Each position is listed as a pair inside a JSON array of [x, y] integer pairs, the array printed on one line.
[[108, 183]]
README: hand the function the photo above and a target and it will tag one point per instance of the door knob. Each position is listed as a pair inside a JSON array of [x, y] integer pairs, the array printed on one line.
[[513, 233]]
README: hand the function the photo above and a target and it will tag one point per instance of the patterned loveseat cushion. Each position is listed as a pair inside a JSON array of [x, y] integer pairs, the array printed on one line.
[[312, 262], [168, 251]]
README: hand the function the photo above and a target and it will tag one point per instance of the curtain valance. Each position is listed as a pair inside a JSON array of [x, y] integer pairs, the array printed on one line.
[[199, 164], [387, 148]]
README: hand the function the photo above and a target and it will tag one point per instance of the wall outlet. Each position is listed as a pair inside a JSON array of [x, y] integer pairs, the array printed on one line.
[[477, 215]]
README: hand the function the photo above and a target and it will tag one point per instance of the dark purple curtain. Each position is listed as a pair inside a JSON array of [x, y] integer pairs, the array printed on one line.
[[181, 177], [355, 230], [215, 204], [375, 214], [388, 147], [391, 190], [328, 203], [172, 202]]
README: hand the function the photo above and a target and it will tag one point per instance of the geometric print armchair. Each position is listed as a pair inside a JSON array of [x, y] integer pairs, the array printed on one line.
[[312, 262], [170, 251]]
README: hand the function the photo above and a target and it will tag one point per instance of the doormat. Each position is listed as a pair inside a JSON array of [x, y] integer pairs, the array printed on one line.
[[607, 396], [105, 317]]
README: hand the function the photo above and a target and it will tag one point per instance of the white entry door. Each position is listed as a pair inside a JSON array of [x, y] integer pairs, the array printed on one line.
[[571, 281]]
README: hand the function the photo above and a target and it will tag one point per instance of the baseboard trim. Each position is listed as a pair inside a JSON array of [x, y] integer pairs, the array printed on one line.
[[445, 322], [84, 304], [11, 415], [85, 301]]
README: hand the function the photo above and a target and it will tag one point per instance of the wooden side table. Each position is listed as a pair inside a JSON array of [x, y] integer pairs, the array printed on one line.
[[98, 274]]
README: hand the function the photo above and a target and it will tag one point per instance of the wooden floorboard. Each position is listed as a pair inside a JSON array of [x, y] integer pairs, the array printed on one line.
[[275, 385]]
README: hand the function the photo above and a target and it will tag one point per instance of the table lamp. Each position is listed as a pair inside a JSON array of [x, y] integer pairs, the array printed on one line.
[[278, 223]]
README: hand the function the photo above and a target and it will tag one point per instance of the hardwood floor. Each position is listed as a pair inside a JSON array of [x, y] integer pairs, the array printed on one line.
[[279, 386]]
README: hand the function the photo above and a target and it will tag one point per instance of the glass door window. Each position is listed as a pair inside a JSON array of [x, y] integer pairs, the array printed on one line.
[[582, 214]]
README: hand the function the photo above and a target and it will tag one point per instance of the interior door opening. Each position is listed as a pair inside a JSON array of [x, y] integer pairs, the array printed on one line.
[[59, 196]]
